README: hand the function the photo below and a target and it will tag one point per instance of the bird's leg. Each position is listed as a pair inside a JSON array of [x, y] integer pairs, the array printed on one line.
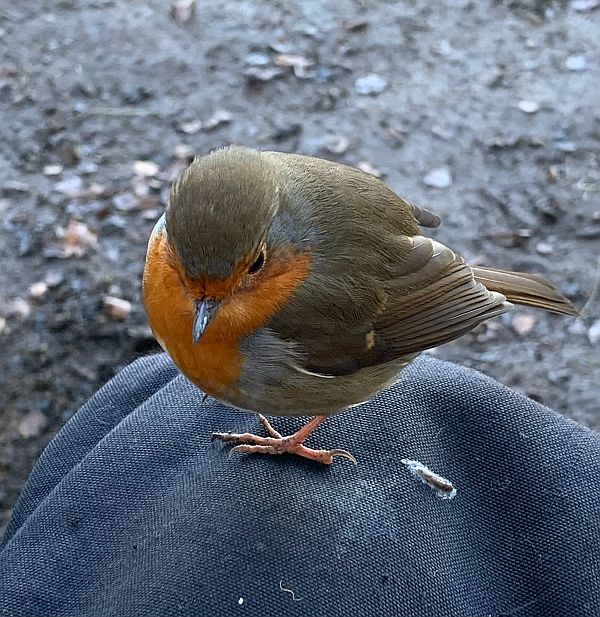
[[277, 444]]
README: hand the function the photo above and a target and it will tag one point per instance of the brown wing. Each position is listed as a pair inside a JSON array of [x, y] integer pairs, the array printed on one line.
[[431, 299], [527, 289]]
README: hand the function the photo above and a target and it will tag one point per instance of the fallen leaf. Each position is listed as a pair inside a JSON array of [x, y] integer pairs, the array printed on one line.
[[299, 64], [148, 202], [77, 238], [355, 25], [553, 173], [183, 11], [523, 323], [514, 141], [221, 116]]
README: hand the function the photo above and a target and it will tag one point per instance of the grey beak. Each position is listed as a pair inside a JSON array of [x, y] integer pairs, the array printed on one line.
[[205, 311]]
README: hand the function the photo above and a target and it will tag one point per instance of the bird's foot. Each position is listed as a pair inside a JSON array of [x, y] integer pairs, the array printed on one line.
[[277, 444]]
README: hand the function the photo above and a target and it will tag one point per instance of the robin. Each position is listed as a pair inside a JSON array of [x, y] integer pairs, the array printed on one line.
[[289, 285]]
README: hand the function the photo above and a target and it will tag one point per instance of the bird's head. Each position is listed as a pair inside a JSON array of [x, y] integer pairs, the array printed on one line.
[[225, 239]]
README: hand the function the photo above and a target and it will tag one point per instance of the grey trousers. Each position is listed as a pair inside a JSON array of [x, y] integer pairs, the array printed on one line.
[[131, 510]]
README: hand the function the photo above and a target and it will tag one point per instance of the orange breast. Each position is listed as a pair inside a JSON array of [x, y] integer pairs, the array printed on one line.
[[214, 364]]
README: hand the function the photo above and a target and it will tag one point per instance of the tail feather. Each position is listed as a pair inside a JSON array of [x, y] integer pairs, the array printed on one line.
[[527, 289]]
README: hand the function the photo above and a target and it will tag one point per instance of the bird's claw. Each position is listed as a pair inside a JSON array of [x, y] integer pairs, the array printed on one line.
[[343, 454], [247, 443]]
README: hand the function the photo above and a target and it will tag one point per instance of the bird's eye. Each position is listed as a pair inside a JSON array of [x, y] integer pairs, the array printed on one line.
[[258, 263]]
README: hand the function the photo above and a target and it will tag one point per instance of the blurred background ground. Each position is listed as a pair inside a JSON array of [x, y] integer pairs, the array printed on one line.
[[485, 112]]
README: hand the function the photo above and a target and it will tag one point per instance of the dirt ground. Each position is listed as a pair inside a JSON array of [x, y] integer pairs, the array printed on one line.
[[485, 112]]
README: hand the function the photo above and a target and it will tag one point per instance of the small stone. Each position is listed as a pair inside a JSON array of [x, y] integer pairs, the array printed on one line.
[[151, 214], [97, 190], [126, 202], [370, 84], [594, 332], [87, 167], [53, 278], [15, 186], [577, 327], [576, 63], [522, 323], [439, 178], [141, 187], [368, 168], [183, 151], [257, 58], [528, 107], [260, 74], [18, 307], [337, 144], [37, 290], [564, 145], [443, 132], [52, 170], [192, 127], [582, 6], [32, 424], [544, 248], [117, 308], [145, 169], [70, 186]]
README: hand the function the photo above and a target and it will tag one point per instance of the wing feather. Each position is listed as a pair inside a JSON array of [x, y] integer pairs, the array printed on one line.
[[433, 301]]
